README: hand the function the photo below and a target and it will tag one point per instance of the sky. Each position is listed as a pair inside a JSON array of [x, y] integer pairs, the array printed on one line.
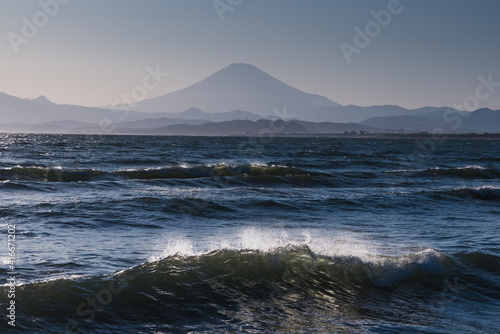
[[89, 52]]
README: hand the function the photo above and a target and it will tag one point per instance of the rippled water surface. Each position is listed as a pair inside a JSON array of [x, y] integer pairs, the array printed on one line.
[[144, 234]]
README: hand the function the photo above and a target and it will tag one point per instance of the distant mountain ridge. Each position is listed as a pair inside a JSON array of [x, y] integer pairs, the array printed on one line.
[[41, 110], [445, 119], [236, 92]]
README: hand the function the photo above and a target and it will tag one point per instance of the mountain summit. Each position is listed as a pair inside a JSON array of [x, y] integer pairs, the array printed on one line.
[[43, 101], [237, 87]]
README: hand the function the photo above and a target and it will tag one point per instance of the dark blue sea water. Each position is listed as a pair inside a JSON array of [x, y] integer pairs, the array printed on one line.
[[145, 234]]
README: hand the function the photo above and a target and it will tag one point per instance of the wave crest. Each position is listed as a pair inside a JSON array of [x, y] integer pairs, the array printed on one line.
[[59, 174]]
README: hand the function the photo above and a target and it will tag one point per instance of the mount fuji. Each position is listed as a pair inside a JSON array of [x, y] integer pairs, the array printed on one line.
[[237, 87]]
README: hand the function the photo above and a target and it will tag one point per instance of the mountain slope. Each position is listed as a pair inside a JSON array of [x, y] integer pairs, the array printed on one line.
[[237, 86], [484, 120]]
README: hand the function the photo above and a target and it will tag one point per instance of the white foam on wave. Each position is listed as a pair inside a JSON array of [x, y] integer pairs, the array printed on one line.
[[483, 191], [385, 265], [388, 271], [322, 243], [472, 167], [21, 281], [176, 245], [264, 240]]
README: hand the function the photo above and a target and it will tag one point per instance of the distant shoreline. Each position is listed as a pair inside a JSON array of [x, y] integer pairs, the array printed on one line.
[[396, 135], [486, 136]]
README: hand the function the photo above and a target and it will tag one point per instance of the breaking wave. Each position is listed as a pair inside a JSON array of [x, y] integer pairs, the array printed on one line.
[[487, 193], [258, 275], [484, 192]]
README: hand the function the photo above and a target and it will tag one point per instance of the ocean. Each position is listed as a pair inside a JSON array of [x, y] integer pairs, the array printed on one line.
[[157, 234]]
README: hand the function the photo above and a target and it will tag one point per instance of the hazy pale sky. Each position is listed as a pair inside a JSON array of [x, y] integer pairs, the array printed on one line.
[[89, 52]]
